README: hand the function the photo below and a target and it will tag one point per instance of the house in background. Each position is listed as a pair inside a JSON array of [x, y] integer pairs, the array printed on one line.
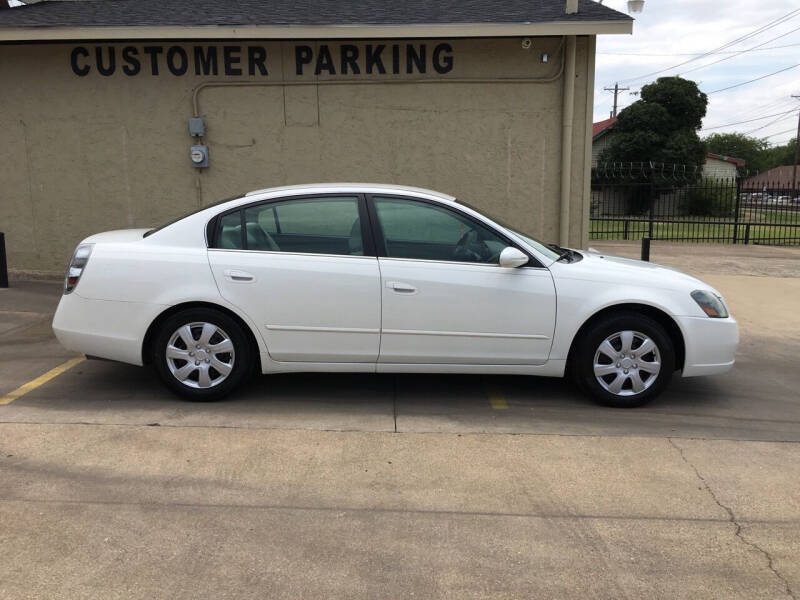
[[716, 166], [601, 136]]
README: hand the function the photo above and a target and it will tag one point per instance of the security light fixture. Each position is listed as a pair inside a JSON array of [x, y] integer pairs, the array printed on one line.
[[635, 6]]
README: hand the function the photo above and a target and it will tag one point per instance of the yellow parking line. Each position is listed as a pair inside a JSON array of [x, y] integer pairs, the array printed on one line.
[[41, 380], [498, 401]]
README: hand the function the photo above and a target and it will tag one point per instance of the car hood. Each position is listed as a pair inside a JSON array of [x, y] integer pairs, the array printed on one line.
[[616, 269], [117, 236]]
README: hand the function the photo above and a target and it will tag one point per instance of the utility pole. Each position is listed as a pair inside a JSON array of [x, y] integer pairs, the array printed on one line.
[[616, 89], [796, 151]]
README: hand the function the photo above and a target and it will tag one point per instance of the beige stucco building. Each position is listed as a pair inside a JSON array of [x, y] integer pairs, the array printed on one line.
[[489, 102]]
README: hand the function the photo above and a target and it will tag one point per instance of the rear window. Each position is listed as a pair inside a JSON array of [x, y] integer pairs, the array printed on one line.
[[229, 231], [193, 212]]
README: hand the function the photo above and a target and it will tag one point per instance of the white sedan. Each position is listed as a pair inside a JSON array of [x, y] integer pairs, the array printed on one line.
[[387, 279]]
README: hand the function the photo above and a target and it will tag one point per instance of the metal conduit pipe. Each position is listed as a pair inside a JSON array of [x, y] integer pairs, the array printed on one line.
[[546, 79], [567, 117]]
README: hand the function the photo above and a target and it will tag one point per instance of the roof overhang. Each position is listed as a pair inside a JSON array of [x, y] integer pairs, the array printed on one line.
[[601, 133], [739, 162], [277, 32]]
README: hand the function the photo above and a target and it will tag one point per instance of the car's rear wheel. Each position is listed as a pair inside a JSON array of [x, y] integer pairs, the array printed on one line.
[[202, 354], [625, 360]]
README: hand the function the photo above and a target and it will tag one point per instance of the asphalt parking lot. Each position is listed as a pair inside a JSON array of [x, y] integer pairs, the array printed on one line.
[[319, 486]]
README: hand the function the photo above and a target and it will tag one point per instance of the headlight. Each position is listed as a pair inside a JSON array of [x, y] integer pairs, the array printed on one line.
[[76, 266], [711, 304]]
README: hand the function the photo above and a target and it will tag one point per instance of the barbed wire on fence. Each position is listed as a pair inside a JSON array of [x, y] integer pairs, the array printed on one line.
[[642, 170], [674, 171]]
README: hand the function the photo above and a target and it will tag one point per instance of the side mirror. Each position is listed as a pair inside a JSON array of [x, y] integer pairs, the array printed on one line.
[[511, 257]]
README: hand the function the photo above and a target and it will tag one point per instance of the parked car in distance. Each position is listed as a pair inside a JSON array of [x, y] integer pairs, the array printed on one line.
[[759, 198], [388, 279]]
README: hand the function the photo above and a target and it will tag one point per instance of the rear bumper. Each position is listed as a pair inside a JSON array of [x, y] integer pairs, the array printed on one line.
[[710, 345], [104, 328]]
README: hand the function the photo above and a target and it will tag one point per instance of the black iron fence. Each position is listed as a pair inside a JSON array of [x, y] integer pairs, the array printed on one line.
[[692, 208]]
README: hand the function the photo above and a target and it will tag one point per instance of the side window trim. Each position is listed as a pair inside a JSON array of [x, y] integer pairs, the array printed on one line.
[[380, 242], [375, 227], [277, 220], [368, 241], [243, 232], [367, 236]]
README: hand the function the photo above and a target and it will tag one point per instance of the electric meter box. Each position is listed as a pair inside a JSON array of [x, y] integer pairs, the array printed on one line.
[[199, 156]]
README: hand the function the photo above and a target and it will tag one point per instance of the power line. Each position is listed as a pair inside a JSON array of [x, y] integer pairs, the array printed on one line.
[[761, 29], [740, 52], [778, 120], [783, 104], [769, 106], [748, 121], [766, 137], [730, 87], [781, 116], [757, 31], [696, 53], [773, 105]]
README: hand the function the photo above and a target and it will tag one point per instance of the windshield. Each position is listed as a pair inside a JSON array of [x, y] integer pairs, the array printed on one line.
[[190, 213], [541, 247]]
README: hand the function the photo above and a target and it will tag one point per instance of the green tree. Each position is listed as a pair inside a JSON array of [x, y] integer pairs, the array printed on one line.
[[752, 150], [775, 156], [662, 126]]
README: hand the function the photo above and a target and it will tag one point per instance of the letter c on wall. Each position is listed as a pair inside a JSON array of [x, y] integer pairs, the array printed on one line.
[[78, 70]]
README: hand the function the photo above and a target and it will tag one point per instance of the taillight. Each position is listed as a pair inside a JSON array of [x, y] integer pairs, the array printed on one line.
[[76, 266]]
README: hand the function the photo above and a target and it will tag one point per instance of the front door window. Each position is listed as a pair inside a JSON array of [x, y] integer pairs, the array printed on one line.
[[418, 230]]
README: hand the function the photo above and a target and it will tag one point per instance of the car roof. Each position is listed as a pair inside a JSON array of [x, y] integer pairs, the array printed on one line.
[[363, 188]]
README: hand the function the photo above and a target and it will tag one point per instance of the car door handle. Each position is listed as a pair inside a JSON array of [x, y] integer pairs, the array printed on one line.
[[238, 276], [401, 288]]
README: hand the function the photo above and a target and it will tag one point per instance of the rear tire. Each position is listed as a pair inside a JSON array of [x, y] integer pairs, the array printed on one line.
[[625, 360], [202, 354]]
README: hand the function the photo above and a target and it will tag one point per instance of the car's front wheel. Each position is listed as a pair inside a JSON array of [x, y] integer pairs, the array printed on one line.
[[202, 354], [624, 360]]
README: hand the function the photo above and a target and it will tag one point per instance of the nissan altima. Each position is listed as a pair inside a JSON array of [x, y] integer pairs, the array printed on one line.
[[387, 279]]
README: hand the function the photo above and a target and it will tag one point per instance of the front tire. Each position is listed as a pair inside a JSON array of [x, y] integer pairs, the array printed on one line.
[[624, 360], [202, 354]]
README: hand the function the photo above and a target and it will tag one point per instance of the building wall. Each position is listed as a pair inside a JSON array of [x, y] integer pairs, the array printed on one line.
[[86, 152], [599, 145], [719, 169], [779, 179]]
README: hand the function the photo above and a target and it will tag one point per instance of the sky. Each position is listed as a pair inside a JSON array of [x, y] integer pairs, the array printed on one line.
[[669, 32]]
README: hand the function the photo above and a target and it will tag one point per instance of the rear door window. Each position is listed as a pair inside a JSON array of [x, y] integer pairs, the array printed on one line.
[[324, 225]]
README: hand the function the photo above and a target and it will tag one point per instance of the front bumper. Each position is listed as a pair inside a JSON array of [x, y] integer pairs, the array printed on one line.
[[104, 328], [710, 345]]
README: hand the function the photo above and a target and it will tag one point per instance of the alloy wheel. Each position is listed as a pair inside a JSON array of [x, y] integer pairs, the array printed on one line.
[[627, 363], [200, 355]]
